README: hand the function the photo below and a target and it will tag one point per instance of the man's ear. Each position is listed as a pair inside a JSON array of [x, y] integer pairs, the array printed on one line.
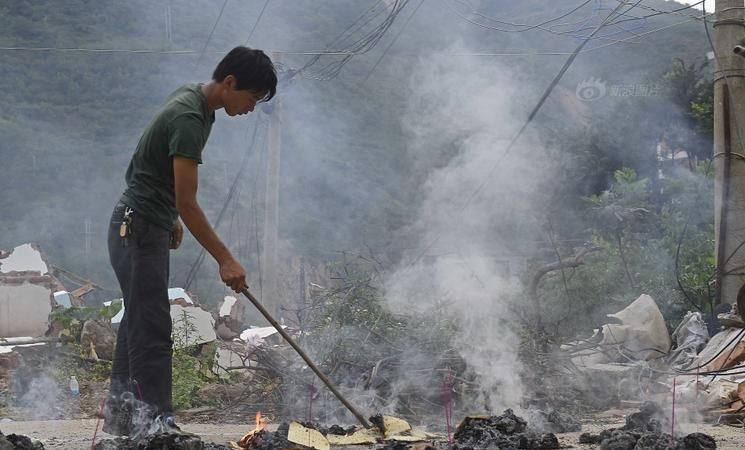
[[230, 81]]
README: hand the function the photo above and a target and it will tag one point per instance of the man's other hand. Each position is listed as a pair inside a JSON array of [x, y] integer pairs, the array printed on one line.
[[233, 275], [177, 235]]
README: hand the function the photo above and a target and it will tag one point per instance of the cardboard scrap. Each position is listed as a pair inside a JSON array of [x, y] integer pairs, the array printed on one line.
[[395, 430], [308, 437], [359, 437], [394, 426], [412, 436]]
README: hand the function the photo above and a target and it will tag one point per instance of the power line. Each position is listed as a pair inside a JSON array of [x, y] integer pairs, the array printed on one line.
[[675, 12], [158, 52], [329, 53], [214, 27], [258, 19], [392, 43], [666, 27], [525, 27], [527, 122], [495, 28], [573, 32], [360, 46]]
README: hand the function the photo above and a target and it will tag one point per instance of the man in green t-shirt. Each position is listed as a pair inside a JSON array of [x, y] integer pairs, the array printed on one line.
[[162, 181]]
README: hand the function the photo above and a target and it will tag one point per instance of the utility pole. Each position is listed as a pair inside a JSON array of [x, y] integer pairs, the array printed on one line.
[[729, 154], [270, 291]]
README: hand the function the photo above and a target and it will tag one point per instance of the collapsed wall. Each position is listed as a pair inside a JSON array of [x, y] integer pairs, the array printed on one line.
[[26, 292]]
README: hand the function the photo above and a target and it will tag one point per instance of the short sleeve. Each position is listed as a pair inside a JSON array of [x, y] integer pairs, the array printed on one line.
[[186, 137]]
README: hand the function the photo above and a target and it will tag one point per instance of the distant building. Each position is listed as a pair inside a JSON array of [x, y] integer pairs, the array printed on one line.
[[672, 158]]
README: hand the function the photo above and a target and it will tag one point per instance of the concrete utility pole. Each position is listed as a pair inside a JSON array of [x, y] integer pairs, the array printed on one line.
[[270, 292], [729, 154]]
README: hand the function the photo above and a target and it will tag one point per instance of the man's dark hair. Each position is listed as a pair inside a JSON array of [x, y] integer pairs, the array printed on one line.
[[252, 69]]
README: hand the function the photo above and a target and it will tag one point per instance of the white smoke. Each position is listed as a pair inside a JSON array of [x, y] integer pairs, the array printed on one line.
[[467, 257]]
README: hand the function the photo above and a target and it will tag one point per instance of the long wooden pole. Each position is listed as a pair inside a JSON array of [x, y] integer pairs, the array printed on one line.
[[305, 357]]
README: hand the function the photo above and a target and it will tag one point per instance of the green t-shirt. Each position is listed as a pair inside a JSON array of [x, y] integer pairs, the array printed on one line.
[[180, 128]]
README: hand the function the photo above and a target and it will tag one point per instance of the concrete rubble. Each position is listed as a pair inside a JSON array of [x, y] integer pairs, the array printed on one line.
[[192, 324], [230, 318], [27, 292], [700, 376]]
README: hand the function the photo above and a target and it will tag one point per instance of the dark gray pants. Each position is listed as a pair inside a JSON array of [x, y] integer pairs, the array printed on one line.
[[142, 361]]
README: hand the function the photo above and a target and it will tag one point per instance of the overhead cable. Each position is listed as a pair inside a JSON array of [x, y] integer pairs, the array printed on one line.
[[527, 122]]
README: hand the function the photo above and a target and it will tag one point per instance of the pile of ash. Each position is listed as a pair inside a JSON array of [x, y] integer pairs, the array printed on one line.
[[159, 441], [505, 431], [644, 431], [19, 442]]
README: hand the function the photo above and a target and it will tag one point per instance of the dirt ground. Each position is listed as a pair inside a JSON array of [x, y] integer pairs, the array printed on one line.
[[78, 434]]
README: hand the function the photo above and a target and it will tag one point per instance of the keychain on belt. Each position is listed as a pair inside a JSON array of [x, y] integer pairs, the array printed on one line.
[[125, 229]]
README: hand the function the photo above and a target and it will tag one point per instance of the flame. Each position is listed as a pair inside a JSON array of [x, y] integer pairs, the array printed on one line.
[[247, 440], [260, 421]]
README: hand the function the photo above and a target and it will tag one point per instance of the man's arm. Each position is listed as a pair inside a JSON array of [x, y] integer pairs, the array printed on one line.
[[186, 180]]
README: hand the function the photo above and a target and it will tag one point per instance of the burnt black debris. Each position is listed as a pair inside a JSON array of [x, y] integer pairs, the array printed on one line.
[[504, 432], [159, 441], [698, 441], [19, 442], [643, 431], [338, 430], [589, 438], [650, 417], [378, 421], [652, 441], [274, 441], [392, 445], [620, 440], [333, 429]]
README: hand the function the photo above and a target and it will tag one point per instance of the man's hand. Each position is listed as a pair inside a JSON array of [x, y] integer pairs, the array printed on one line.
[[233, 275], [177, 235]]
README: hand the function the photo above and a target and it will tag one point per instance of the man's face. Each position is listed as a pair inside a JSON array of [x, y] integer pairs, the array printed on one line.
[[238, 102]]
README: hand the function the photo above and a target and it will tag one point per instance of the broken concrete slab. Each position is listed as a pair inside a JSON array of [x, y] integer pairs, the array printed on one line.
[[227, 307], [178, 296], [7, 345], [26, 309], [191, 326], [228, 356], [26, 292], [25, 259], [230, 318], [255, 337], [63, 298]]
